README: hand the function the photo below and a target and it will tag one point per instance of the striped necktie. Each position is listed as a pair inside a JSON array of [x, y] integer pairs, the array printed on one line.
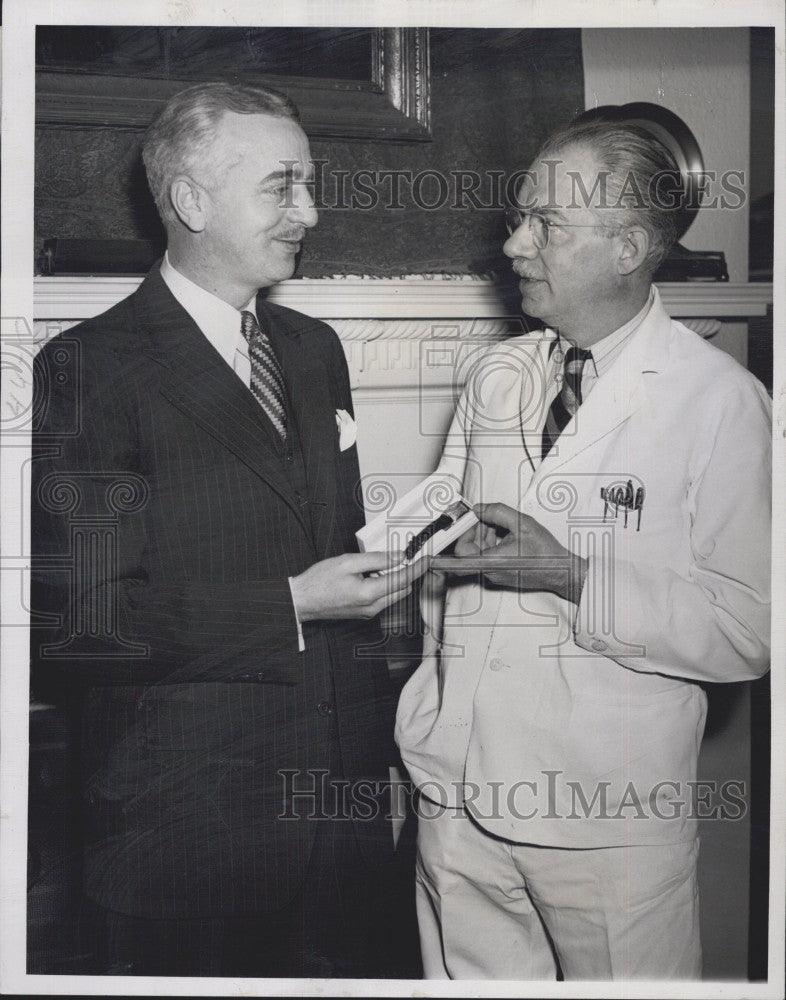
[[267, 379], [567, 400]]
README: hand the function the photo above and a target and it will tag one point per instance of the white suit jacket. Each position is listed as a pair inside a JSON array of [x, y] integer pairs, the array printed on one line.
[[582, 729]]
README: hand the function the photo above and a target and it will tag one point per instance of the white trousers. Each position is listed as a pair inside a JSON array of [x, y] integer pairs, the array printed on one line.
[[491, 909]]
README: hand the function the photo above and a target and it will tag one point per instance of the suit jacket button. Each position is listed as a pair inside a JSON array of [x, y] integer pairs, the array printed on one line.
[[496, 664], [325, 708], [599, 645], [261, 674]]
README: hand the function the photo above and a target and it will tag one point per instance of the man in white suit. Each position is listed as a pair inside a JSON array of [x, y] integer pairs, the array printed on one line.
[[554, 726]]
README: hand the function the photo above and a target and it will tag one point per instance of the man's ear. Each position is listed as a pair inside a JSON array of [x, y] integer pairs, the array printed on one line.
[[633, 250], [188, 201]]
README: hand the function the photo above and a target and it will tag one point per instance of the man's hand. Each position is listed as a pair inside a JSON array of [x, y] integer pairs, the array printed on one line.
[[513, 550], [339, 588]]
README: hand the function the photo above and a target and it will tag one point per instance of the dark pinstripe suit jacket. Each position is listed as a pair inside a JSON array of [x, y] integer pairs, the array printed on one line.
[[164, 529]]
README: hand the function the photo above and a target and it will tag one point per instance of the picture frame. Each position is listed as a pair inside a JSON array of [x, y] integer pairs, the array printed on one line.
[[392, 104]]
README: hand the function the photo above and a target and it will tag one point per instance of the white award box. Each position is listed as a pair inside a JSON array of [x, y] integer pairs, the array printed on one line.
[[422, 523]]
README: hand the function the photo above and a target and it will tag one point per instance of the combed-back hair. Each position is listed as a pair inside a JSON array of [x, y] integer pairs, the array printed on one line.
[[643, 185], [181, 140]]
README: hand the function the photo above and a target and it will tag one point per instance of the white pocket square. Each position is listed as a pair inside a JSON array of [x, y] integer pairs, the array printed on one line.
[[347, 430]]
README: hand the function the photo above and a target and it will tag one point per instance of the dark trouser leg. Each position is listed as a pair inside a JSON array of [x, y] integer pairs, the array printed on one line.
[[327, 931], [335, 925], [139, 946]]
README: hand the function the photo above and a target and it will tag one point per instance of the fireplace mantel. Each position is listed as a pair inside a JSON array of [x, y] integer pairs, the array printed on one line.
[[420, 296], [385, 324]]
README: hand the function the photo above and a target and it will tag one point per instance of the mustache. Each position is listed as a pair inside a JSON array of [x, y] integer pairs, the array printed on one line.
[[520, 268], [295, 236]]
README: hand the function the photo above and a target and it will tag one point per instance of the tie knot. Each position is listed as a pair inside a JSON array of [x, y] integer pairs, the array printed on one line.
[[248, 325], [576, 358]]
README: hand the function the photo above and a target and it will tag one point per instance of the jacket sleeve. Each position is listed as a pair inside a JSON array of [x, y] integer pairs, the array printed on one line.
[[711, 623]]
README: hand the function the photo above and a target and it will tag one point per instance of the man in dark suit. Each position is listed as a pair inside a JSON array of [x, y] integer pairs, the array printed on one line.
[[197, 577]]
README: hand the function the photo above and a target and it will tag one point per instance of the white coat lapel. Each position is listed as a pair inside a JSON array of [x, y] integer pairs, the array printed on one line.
[[617, 396], [532, 413], [504, 412], [487, 425]]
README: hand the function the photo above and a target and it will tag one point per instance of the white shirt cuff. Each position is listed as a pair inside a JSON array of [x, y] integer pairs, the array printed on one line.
[[301, 642]]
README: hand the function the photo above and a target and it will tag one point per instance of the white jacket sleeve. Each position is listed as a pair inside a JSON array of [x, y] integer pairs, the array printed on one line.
[[713, 622]]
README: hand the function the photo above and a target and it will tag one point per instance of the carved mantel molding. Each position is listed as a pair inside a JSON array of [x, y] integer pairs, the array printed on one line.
[[419, 296], [385, 324]]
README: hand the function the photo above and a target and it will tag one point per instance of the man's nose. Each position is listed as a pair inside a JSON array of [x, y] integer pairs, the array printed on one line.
[[520, 243], [302, 209]]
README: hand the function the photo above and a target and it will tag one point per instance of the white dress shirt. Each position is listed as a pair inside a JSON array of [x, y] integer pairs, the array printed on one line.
[[218, 320], [604, 353]]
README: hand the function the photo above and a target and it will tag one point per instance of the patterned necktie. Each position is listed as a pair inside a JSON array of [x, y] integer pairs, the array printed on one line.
[[267, 379], [567, 400]]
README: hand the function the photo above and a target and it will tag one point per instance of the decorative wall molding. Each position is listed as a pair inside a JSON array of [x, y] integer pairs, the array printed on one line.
[[401, 334], [413, 297], [444, 327]]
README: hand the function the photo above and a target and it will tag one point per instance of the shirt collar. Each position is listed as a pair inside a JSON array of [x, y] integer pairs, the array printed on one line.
[[218, 320], [604, 351]]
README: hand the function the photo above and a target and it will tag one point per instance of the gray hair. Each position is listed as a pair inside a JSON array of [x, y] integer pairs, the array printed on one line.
[[181, 140], [637, 165]]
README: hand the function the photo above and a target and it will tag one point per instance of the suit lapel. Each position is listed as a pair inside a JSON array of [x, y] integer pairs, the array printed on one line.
[[201, 385], [312, 408]]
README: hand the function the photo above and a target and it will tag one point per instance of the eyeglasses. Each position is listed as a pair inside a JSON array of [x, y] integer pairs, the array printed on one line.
[[539, 227]]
